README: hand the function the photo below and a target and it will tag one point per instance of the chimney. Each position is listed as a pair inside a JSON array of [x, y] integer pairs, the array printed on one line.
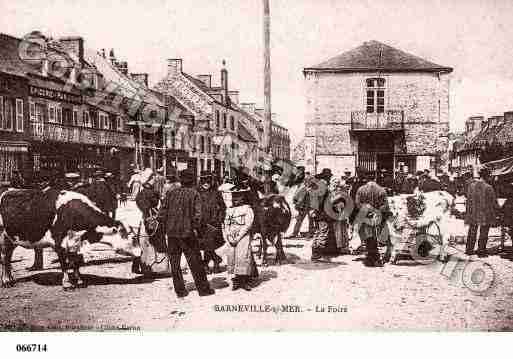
[[112, 57], [249, 107], [508, 117], [140, 78], [234, 97], [492, 121], [224, 81], [206, 79], [75, 46], [46, 67], [102, 53], [174, 66]]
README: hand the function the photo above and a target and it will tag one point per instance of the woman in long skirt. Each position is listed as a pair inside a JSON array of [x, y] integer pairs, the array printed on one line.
[[238, 221]]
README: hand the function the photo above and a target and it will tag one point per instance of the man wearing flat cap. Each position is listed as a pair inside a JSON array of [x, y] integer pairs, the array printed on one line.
[[180, 215]]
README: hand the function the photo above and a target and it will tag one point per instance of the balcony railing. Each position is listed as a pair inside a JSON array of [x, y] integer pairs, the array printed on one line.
[[388, 120], [80, 135]]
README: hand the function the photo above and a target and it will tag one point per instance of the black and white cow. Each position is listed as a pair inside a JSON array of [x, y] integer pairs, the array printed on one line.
[[27, 215]]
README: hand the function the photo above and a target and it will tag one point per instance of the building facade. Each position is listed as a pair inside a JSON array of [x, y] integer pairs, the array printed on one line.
[[60, 122], [484, 140], [375, 108], [212, 127]]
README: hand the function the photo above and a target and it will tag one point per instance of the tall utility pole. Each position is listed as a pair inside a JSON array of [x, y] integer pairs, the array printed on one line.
[[267, 73]]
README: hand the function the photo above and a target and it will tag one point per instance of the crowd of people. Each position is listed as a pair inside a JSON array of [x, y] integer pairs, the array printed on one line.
[[185, 217]]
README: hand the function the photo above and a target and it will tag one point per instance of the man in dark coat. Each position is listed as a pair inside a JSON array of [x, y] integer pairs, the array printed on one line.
[[482, 209], [371, 200], [180, 214], [213, 210]]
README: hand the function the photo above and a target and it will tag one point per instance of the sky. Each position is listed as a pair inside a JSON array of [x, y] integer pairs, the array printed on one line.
[[472, 36]]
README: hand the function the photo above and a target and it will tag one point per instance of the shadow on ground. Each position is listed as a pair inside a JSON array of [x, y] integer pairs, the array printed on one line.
[[55, 279], [215, 283]]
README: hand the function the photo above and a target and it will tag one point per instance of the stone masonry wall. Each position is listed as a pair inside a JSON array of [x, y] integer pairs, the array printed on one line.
[[424, 98]]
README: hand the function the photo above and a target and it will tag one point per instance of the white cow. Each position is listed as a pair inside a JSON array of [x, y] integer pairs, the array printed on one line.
[[436, 219]]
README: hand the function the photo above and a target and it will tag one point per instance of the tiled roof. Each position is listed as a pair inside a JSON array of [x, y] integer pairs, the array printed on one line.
[[487, 135], [10, 61], [374, 55], [244, 134], [125, 85]]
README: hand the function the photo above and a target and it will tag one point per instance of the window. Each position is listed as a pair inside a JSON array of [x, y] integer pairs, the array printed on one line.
[[51, 113], [1, 112], [209, 145], [19, 115], [375, 95], [218, 124], [202, 164], [202, 144], [39, 112], [104, 120], [59, 114], [224, 120], [173, 139], [75, 117], [65, 116], [232, 123], [32, 111], [87, 119], [120, 123], [8, 115]]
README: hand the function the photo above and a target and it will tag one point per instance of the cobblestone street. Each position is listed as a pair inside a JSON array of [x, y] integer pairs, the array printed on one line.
[[341, 294]]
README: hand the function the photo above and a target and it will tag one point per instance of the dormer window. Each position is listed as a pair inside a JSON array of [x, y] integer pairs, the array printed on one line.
[[232, 123], [375, 88]]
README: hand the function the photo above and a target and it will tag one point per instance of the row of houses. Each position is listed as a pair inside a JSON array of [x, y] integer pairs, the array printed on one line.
[[66, 108], [483, 140]]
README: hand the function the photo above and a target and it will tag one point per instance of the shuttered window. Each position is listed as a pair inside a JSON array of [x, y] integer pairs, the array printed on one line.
[[19, 115], [1, 112]]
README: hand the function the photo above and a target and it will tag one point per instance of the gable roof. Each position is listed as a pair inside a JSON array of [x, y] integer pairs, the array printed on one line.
[[374, 55]]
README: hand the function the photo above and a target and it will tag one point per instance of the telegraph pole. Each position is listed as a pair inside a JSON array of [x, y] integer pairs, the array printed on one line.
[[267, 74]]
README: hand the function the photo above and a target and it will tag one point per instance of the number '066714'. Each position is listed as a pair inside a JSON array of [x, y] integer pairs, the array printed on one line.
[[31, 347]]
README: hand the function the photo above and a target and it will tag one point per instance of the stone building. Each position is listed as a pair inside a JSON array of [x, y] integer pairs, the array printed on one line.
[[375, 108]]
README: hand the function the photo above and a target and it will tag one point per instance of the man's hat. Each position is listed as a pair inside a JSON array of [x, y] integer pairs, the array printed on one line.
[[72, 175], [187, 176]]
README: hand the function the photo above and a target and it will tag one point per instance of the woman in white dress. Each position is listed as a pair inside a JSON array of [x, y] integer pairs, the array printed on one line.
[[238, 221]]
